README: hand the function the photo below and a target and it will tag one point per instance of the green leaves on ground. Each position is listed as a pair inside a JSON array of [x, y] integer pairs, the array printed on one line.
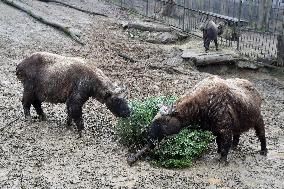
[[133, 131], [179, 150]]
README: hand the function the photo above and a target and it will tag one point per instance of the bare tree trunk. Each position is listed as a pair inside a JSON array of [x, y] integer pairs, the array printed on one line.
[[224, 7], [264, 13], [260, 13]]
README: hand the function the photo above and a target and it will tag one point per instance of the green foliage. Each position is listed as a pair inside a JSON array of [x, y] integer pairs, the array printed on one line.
[[133, 131], [176, 151], [179, 150]]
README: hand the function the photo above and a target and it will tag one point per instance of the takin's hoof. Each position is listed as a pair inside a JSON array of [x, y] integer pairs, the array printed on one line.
[[263, 152], [223, 162], [80, 135], [28, 119], [219, 151], [42, 118], [131, 159], [234, 147]]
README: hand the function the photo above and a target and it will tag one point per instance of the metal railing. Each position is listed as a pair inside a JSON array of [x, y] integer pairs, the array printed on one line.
[[253, 25]]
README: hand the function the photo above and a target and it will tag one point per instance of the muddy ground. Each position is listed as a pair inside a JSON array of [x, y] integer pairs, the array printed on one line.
[[47, 155]]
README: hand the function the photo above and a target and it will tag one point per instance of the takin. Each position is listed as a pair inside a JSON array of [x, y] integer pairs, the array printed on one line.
[[210, 33], [48, 77], [227, 108]]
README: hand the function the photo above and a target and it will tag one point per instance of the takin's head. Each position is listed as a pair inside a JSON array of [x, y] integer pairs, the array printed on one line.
[[220, 27], [165, 123], [116, 103]]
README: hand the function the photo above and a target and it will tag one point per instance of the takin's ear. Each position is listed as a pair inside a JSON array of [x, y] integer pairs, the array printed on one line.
[[172, 111]]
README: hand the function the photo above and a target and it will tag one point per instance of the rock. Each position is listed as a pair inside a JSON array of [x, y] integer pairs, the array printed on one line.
[[173, 61], [181, 35], [212, 186], [162, 38], [247, 65], [168, 38], [281, 115]]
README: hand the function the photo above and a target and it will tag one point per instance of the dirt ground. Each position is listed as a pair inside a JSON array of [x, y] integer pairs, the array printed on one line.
[[47, 155]]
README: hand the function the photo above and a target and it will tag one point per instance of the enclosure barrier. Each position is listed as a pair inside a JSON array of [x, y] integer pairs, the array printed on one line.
[[254, 27]]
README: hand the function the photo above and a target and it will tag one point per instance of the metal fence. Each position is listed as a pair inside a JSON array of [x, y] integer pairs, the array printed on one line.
[[252, 25]]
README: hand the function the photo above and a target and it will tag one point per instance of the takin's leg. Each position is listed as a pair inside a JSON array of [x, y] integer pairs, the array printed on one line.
[[216, 44], [236, 139], [27, 100], [37, 105], [69, 119], [206, 41], [218, 141], [206, 44], [74, 109], [260, 133], [225, 145], [223, 128]]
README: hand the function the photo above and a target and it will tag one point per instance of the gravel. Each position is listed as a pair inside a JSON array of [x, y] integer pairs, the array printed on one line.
[[48, 155]]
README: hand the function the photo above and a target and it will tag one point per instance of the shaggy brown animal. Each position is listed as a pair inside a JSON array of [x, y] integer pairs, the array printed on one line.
[[210, 33], [48, 77], [226, 107]]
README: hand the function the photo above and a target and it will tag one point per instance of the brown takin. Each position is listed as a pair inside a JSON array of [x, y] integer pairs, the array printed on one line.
[[211, 31], [48, 77], [227, 108]]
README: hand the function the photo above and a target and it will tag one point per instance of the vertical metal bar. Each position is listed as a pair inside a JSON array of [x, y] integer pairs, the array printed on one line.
[[239, 23], [147, 7], [234, 9], [183, 20]]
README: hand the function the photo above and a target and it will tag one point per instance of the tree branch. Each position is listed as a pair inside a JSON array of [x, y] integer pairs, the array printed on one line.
[[126, 57], [73, 7], [57, 26]]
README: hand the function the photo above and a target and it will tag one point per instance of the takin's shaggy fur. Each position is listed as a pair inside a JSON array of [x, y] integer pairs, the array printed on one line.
[[48, 77], [210, 33], [226, 107]]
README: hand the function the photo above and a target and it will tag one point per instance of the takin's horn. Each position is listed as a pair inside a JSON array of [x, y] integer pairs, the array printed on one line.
[[120, 91], [171, 110], [163, 110]]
